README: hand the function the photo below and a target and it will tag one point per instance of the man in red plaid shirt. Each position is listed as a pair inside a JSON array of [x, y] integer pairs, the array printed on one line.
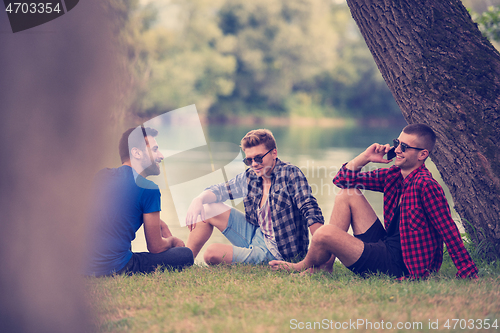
[[416, 215]]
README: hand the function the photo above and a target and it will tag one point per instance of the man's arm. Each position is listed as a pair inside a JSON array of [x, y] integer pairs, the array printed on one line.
[[196, 208], [315, 227], [165, 231], [300, 191], [153, 231], [349, 176], [232, 189], [437, 208]]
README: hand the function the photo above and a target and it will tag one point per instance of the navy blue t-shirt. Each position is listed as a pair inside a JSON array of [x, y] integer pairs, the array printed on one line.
[[120, 198]]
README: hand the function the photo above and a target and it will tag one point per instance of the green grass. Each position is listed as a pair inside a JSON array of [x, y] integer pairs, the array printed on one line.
[[255, 299]]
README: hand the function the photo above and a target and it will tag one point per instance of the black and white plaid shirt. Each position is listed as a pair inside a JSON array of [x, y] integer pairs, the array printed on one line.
[[293, 207]]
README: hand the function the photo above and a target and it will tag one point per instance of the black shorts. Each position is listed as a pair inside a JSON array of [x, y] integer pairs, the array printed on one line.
[[376, 257]]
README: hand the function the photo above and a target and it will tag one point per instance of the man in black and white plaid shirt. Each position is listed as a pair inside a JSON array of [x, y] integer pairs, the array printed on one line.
[[279, 209]]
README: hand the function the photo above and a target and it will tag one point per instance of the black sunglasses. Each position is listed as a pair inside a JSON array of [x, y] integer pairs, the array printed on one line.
[[404, 146], [257, 159]]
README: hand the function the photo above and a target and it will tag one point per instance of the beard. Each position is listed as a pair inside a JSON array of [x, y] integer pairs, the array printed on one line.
[[152, 170]]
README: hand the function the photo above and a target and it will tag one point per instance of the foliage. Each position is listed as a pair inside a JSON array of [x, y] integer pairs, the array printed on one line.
[[489, 23], [287, 57], [172, 58], [279, 44], [126, 22], [303, 58], [481, 249], [479, 246], [187, 65]]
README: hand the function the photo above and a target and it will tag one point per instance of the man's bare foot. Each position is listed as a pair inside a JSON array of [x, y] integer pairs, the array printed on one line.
[[301, 267], [313, 270], [328, 267], [277, 265]]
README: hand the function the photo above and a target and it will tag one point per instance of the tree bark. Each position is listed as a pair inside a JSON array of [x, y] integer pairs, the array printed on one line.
[[444, 73]]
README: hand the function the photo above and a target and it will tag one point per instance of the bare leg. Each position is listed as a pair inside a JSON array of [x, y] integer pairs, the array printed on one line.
[[329, 240], [218, 254], [350, 209], [199, 236]]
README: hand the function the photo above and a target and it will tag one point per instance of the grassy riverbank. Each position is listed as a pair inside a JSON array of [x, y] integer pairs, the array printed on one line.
[[256, 299]]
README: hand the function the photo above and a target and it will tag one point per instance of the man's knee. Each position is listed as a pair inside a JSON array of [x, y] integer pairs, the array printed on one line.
[[210, 254], [338, 242], [326, 235], [216, 254], [185, 255], [348, 194], [177, 257]]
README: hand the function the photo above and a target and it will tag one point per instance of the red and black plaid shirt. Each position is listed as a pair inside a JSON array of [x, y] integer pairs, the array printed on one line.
[[425, 217]]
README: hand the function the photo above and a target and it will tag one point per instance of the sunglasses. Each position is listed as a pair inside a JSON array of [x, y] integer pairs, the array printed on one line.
[[404, 146], [257, 159]]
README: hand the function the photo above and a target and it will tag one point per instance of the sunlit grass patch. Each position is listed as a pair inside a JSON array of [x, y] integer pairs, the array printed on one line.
[[245, 298]]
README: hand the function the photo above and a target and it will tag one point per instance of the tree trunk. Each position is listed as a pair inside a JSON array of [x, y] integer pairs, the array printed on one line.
[[58, 85], [444, 73]]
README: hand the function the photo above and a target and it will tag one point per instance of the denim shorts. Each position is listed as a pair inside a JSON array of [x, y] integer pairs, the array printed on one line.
[[249, 246]]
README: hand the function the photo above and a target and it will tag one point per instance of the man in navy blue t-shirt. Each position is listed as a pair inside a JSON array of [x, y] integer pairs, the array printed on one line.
[[123, 200]]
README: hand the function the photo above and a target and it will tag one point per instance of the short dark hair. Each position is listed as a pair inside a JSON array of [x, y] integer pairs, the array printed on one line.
[[425, 134], [258, 137], [134, 137]]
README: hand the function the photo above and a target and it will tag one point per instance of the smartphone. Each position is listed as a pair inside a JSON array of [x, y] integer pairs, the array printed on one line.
[[391, 153]]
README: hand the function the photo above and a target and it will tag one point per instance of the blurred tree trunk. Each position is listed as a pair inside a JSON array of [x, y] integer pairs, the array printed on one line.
[[444, 73], [58, 92]]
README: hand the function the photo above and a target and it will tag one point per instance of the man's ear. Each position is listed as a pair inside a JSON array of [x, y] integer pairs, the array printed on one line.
[[423, 154], [136, 153]]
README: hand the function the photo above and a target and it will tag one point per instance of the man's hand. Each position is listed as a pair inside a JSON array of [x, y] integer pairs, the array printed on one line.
[[375, 153], [195, 209], [175, 242], [158, 237]]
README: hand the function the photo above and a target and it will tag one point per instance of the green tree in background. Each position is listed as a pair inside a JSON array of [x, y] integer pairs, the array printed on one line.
[[128, 22], [231, 57], [278, 45], [187, 59], [354, 88], [302, 58], [171, 54], [489, 23]]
